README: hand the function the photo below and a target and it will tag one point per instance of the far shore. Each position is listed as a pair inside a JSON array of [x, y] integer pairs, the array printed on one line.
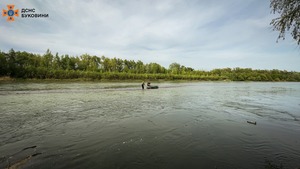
[[7, 79], [10, 79]]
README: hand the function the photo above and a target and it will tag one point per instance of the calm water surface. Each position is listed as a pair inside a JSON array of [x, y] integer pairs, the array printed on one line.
[[180, 125]]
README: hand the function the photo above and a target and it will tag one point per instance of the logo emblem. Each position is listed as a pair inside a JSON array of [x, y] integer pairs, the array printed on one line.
[[10, 13]]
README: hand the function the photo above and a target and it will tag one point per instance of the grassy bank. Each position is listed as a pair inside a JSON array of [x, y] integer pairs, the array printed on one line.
[[24, 65]]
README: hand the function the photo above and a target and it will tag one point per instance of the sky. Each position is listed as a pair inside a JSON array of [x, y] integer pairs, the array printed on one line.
[[202, 34]]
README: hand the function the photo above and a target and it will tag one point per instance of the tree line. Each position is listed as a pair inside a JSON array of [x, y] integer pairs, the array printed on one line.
[[17, 64]]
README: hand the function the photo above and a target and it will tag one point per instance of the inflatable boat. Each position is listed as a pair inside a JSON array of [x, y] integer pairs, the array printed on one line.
[[152, 87]]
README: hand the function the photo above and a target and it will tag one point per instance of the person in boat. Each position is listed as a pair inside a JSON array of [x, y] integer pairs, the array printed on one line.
[[148, 84], [143, 84]]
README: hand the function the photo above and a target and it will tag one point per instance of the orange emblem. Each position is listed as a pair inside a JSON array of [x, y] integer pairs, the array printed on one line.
[[10, 13]]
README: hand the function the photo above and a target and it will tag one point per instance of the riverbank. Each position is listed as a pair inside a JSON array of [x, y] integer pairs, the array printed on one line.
[[20, 80], [203, 79], [26, 65], [6, 78]]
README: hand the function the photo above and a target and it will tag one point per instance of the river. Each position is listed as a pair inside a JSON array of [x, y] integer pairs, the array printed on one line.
[[180, 125]]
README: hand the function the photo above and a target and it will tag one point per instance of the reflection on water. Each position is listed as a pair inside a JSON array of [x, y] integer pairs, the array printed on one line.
[[179, 125]]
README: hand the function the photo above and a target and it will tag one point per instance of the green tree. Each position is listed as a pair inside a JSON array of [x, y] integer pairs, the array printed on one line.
[[3, 64], [105, 64], [119, 65], [289, 19], [47, 59], [174, 68], [28, 65], [140, 67], [56, 62]]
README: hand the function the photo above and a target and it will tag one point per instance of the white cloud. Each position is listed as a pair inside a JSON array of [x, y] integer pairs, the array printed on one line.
[[200, 34]]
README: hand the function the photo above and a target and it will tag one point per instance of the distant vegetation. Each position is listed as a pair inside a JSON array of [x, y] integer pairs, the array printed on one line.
[[48, 66]]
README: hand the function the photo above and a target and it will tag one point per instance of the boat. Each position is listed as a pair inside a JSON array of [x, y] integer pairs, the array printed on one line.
[[152, 87], [252, 122]]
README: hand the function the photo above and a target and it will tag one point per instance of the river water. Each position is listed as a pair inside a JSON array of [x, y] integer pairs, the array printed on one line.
[[180, 125]]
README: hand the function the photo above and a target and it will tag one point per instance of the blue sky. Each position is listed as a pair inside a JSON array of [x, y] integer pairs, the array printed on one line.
[[202, 34]]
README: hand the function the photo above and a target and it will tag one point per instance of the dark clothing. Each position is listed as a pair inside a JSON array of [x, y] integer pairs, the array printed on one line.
[[143, 84]]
